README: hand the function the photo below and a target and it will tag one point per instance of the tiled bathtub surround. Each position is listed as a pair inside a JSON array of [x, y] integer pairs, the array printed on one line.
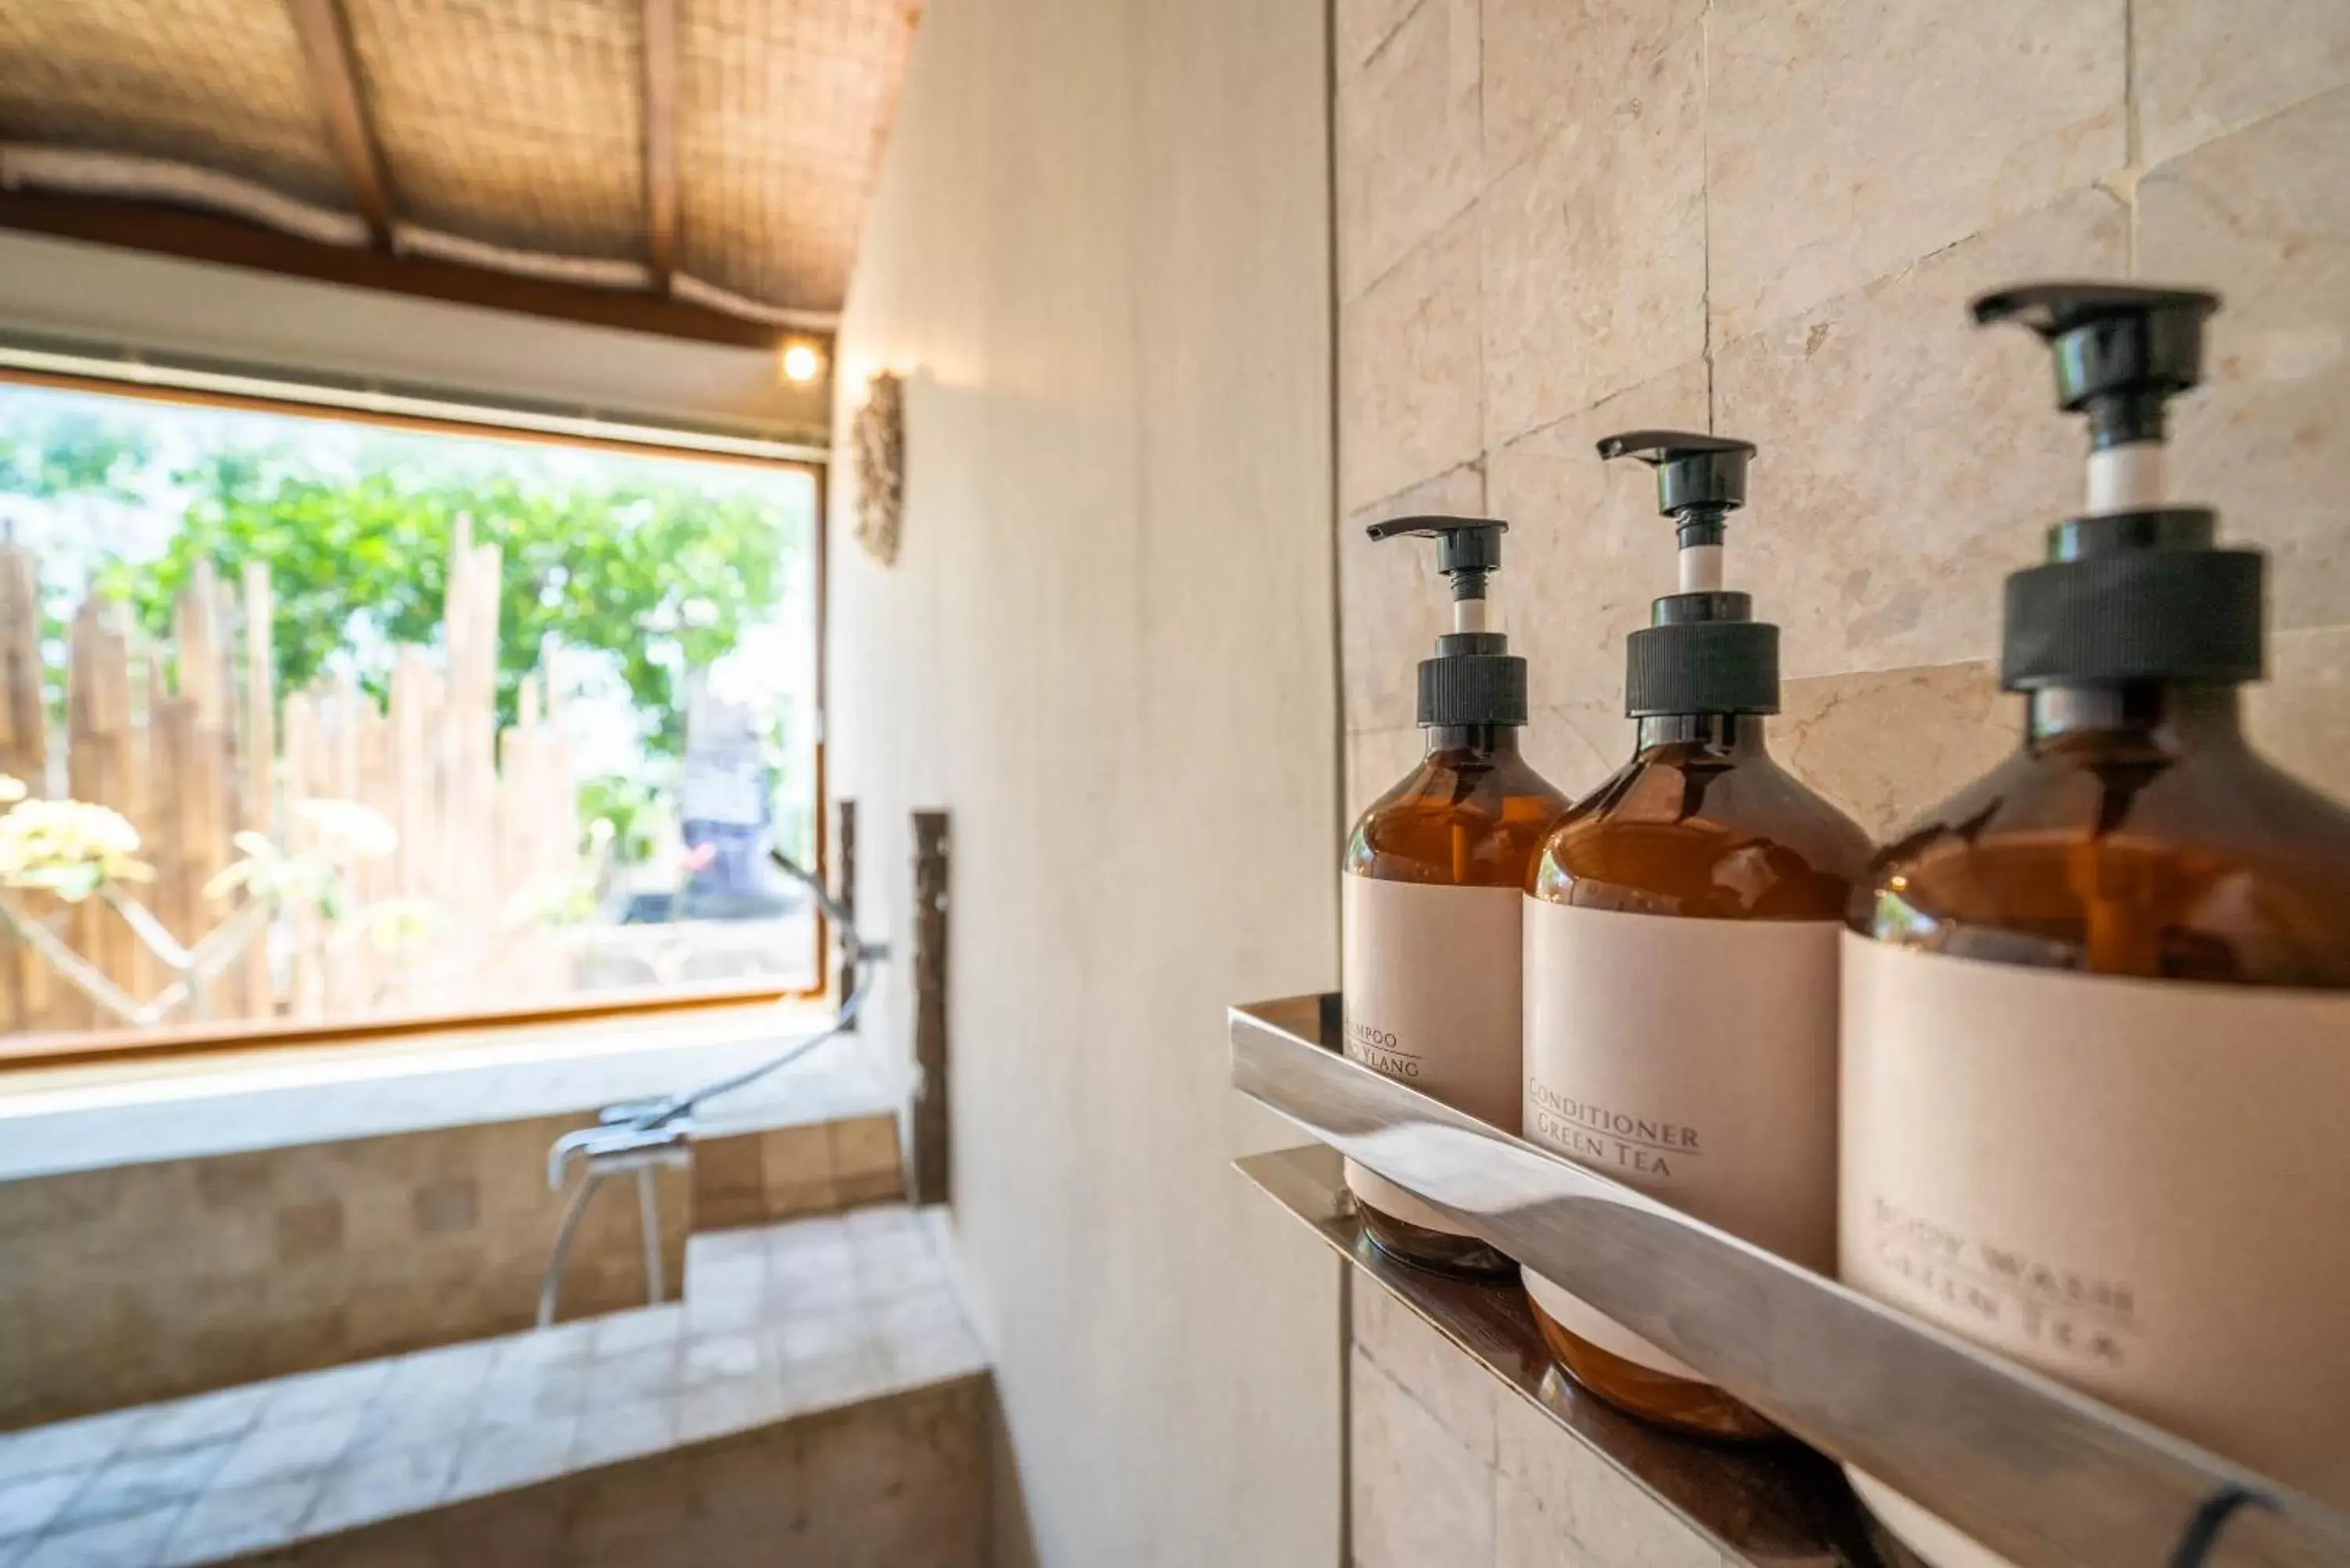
[[1766, 217], [135, 1282], [778, 1325], [141, 1281], [781, 1173]]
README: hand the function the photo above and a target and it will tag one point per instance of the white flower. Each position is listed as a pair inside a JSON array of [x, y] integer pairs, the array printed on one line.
[[347, 832], [395, 924], [68, 846]]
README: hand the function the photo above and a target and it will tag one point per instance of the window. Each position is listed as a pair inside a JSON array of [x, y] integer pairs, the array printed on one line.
[[309, 723]]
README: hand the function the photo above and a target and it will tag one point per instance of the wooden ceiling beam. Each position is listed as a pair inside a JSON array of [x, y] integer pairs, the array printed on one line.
[[335, 78], [661, 120], [197, 236]]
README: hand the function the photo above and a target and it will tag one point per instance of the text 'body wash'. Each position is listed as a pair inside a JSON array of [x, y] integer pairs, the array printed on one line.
[[2097, 1006]]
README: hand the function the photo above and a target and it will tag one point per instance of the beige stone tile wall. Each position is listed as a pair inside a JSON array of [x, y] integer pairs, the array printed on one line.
[[1450, 1467], [781, 1173], [1765, 217]]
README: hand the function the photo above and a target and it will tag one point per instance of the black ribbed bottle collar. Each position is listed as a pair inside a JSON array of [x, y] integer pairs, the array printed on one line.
[[2129, 597], [1472, 680], [1703, 653]]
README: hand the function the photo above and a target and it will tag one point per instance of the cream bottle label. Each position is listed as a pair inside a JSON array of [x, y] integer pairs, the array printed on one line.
[[2136, 1186], [1692, 1060], [1431, 1000]]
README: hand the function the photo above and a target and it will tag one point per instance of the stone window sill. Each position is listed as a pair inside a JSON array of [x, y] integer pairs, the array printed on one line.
[[90, 1116]]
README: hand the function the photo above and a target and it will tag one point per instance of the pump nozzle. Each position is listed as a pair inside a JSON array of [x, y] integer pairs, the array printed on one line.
[[2122, 353], [1702, 652], [1466, 548], [1700, 480], [1473, 678], [2134, 589]]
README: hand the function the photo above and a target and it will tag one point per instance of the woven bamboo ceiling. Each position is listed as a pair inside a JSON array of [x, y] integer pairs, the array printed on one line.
[[699, 158]]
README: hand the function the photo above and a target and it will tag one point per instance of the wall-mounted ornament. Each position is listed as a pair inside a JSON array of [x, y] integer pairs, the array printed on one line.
[[880, 437]]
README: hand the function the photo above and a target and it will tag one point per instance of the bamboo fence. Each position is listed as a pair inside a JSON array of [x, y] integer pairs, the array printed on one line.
[[184, 740]]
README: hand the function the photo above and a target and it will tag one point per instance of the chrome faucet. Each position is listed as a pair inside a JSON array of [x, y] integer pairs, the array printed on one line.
[[640, 1138]]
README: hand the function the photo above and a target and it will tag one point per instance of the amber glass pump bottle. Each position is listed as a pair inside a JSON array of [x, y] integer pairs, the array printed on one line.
[[1680, 942], [2097, 1006], [1429, 895]]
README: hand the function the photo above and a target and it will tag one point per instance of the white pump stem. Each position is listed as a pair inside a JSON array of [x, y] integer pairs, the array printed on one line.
[[1468, 615], [1701, 569], [2126, 478]]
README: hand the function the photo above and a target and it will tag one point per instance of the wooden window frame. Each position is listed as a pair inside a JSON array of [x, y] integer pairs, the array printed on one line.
[[33, 1051]]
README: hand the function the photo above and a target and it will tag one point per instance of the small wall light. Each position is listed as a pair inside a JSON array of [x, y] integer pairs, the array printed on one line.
[[803, 363]]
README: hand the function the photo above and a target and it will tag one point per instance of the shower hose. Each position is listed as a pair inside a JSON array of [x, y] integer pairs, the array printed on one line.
[[642, 1138]]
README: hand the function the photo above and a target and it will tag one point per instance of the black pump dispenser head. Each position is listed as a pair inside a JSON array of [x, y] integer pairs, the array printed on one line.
[[1703, 652], [1467, 548], [1701, 479], [1473, 678], [2122, 352], [2135, 589]]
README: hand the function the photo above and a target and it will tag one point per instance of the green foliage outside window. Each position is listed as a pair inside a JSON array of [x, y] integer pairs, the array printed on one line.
[[662, 576], [663, 579]]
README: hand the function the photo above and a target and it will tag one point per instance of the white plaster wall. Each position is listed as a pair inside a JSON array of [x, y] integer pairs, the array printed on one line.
[[1100, 252], [128, 302]]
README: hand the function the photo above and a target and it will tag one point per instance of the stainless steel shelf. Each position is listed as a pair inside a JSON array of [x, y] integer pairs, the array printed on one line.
[[1770, 1505], [2038, 1473]]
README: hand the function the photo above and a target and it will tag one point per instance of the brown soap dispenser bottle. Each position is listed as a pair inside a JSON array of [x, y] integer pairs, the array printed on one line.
[[2097, 1006], [1430, 894], [1680, 968]]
